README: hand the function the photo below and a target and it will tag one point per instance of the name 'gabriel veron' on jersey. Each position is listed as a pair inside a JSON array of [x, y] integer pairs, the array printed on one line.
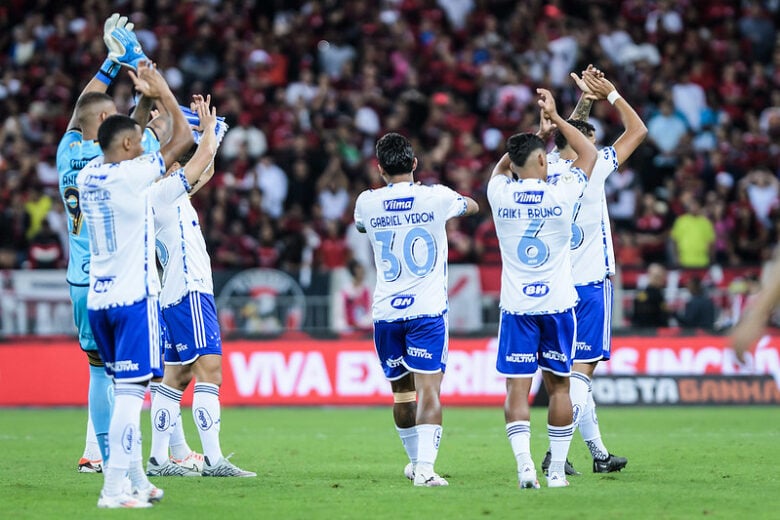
[[406, 225]]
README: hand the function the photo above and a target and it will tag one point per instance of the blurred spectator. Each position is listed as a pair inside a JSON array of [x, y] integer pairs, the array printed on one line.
[[692, 237], [486, 243], [37, 206], [699, 311], [763, 192], [332, 251], [272, 181], [756, 26], [245, 134], [652, 229], [459, 244], [45, 250], [14, 223], [689, 99], [665, 130], [332, 195], [650, 308], [355, 296]]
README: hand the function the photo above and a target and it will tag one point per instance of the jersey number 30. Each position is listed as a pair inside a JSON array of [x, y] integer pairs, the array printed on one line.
[[419, 263]]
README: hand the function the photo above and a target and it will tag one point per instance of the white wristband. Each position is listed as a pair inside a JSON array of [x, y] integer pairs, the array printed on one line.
[[613, 96]]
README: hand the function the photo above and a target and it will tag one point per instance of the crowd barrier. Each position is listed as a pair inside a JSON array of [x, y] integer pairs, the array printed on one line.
[[643, 370]]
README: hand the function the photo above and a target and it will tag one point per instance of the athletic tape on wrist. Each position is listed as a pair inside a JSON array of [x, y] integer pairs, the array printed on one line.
[[613, 96]]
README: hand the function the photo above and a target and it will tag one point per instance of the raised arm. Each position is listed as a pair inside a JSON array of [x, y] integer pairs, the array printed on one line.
[[203, 159], [586, 152], [502, 167], [581, 112], [635, 129], [753, 321], [151, 83], [123, 49]]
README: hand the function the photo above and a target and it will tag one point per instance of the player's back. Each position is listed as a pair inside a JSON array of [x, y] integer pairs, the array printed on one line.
[[180, 245], [73, 154], [406, 225], [533, 224], [593, 257], [116, 205]]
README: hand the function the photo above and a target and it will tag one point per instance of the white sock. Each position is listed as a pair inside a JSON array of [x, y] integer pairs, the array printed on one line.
[[165, 412], [519, 434], [428, 438], [409, 439], [579, 386], [177, 441], [179, 446], [136, 470], [91, 447], [560, 440], [206, 413], [591, 433], [123, 433]]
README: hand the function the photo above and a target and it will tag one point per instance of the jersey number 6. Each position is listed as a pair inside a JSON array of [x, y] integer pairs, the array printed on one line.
[[531, 250]]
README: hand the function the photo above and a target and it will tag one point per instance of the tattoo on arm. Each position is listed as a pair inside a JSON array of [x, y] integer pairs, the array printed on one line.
[[582, 110]]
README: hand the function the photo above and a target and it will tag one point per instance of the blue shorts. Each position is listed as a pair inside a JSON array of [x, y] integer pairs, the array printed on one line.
[[594, 322], [528, 341], [416, 345], [78, 296], [128, 339], [193, 328]]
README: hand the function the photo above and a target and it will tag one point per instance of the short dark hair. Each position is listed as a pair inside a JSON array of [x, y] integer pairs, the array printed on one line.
[[584, 127], [113, 126], [395, 154], [91, 98], [520, 146]]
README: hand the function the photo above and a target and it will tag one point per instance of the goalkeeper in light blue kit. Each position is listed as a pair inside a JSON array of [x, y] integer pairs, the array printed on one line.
[[405, 223], [76, 148]]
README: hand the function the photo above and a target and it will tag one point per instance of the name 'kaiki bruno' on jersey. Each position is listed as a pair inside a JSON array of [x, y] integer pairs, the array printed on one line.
[[593, 255], [533, 225], [117, 206], [73, 153], [405, 223], [181, 247]]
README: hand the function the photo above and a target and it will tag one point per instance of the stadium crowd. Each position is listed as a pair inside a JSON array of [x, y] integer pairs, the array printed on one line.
[[308, 86]]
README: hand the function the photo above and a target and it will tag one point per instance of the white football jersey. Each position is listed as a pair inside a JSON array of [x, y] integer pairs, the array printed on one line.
[[406, 225], [593, 255], [533, 225], [181, 248], [115, 200]]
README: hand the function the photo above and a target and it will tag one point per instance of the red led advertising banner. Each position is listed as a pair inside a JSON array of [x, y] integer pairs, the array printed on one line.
[[643, 370]]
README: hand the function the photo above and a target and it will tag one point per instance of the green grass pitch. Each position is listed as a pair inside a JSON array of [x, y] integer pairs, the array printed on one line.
[[335, 463]]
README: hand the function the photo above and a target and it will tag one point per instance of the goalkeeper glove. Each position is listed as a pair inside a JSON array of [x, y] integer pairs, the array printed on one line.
[[122, 43]]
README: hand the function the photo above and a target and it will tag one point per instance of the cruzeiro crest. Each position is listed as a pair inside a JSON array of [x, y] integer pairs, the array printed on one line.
[[261, 301]]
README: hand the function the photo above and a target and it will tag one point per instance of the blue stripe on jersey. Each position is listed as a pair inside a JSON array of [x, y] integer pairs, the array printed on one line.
[[73, 153]]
